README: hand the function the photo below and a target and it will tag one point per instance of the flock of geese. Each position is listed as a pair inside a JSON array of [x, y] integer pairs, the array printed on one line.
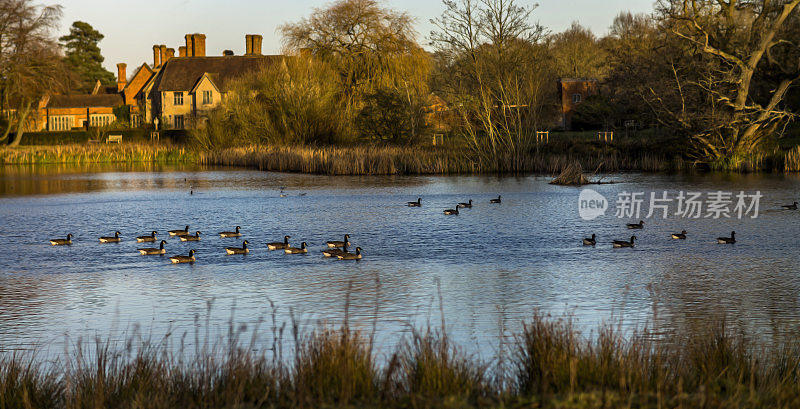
[[339, 249], [336, 249], [592, 241]]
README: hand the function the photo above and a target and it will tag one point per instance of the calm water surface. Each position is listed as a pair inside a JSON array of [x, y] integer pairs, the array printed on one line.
[[494, 264]]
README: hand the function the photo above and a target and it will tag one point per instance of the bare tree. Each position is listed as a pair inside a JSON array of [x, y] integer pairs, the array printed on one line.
[[577, 53], [496, 77], [751, 59], [29, 60]]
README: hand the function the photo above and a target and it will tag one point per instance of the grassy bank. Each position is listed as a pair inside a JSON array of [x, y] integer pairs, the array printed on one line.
[[377, 159], [548, 364]]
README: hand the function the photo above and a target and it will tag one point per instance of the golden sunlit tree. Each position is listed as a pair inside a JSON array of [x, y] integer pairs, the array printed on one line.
[[374, 50]]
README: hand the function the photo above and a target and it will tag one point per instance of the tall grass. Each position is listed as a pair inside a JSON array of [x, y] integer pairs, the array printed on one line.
[[99, 153], [381, 159], [553, 365]]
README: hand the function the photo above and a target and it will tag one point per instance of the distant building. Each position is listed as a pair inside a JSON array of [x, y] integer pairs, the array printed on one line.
[[175, 90], [573, 92]]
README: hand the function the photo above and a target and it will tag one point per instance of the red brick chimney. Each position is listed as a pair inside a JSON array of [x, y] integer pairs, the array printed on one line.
[[182, 51], [168, 55], [253, 44], [198, 45], [122, 78], [163, 51], [189, 50], [156, 56]]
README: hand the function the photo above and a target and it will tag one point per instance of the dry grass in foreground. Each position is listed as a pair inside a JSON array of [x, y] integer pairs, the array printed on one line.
[[550, 364]]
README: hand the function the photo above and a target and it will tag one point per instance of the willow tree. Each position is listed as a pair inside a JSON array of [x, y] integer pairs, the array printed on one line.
[[371, 46], [494, 72], [30, 65], [750, 59]]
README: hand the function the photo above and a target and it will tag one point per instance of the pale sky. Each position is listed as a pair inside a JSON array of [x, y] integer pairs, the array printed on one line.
[[132, 27]]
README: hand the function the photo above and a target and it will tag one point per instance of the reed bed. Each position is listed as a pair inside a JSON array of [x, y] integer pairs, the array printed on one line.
[[392, 160], [550, 364], [368, 159], [97, 153]]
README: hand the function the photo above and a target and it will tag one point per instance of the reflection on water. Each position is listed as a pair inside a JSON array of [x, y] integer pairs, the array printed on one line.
[[494, 264]]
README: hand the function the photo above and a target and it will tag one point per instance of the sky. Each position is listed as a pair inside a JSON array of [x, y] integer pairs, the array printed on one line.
[[132, 28]]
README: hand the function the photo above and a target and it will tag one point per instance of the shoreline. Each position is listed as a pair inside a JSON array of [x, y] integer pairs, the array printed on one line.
[[364, 160]]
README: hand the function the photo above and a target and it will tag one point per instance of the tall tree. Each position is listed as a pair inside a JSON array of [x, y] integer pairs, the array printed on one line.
[[374, 49], [84, 57], [577, 53], [30, 65], [496, 75], [751, 60]]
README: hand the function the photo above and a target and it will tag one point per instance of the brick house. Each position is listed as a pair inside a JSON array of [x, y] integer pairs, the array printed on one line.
[[65, 112], [573, 92], [185, 87], [176, 90]]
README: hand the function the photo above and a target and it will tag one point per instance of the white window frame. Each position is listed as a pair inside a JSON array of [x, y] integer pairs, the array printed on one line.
[[60, 122], [177, 98], [179, 122], [577, 98], [208, 97]]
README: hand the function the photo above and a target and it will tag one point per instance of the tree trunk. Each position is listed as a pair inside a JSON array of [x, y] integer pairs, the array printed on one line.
[[22, 116]]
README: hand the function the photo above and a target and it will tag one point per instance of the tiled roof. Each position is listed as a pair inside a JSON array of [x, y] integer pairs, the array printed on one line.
[[85, 101], [182, 73]]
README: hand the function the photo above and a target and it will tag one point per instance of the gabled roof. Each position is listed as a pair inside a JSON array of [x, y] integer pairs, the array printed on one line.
[[200, 81], [85, 101], [182, 73], [143, 69]]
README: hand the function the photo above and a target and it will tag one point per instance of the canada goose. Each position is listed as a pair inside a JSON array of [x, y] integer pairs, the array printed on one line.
[[183, 232], [679, 236], [590, 241], [338, 244], [621, 243], [294, 250], [231, 233], [498, 200], [467, 205], [147, 239], [452, 212], [154, 252], [727, 240], [334, 252], [351, 256], [183, 259], [639, 225], [792, 206], [114, 239], [196, 237], [418, 203], [237, 250], [62, 242], [279, 245]]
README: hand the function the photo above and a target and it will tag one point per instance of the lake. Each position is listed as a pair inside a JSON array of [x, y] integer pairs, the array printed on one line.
[[486, 270]]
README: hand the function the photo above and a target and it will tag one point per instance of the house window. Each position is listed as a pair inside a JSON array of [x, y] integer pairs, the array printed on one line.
[[177, 98], [207, 98], [60, 123], [178, 121], [576, 98], [100, 120]]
